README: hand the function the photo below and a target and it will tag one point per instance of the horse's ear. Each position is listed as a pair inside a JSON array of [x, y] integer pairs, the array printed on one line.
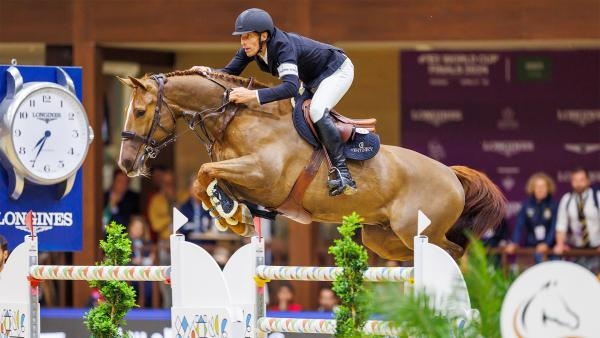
[[138, 83], [132, 82], [126, 82]]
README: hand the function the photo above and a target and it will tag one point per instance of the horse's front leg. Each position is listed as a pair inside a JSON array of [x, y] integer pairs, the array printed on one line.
[[242, 171]]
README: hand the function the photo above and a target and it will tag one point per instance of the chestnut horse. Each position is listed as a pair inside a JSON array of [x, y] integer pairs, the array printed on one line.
[[257, 155]]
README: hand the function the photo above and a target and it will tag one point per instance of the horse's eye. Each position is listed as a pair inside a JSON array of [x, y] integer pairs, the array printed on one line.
[[139, 113]]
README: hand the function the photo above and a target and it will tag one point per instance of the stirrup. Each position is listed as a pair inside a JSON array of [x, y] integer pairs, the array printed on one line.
[[340, 184]]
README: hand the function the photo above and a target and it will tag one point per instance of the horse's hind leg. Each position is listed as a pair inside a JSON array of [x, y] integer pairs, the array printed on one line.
[[404, 224], [385, 243], [241, 171]]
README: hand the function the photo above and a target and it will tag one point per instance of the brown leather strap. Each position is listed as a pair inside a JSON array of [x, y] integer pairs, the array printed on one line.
[[228, 116], [292, 206]]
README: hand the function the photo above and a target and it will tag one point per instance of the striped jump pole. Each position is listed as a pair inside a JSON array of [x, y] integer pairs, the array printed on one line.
[[321, 326], [120, 273], [313, 273]]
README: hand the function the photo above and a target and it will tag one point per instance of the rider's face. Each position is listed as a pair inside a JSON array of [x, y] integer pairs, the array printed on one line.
[[250, 42]]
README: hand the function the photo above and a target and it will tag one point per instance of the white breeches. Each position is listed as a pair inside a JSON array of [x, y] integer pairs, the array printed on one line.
[[331, 90]]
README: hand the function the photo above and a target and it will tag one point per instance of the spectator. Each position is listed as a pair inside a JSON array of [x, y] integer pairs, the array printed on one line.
[[120, 203], [3, 252], [149, 190], [141, 254], [285, 300], [494, 238], [537, 217], [200, 220], [221, 255], [328, 301], [578, 219], [160, 215]]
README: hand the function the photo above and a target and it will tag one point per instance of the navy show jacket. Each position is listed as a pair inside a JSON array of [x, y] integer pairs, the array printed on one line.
[[292, 58], [533, 214]]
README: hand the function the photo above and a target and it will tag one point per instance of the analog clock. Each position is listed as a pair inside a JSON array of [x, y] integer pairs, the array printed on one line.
[[45, 131]]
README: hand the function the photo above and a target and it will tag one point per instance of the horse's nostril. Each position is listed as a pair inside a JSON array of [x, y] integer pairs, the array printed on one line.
[[125, 165]]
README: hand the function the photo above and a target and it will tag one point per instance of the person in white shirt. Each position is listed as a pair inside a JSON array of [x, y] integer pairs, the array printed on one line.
[[578, 219]]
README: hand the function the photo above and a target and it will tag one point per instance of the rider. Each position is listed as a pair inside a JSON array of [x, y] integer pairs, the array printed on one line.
[[323, 69]]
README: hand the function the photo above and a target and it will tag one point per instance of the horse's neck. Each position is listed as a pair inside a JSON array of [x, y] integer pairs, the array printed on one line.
[[189, 93]]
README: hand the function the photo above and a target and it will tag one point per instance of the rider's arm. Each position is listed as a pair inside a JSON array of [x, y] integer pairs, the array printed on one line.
[[237, 64], [288, 73]]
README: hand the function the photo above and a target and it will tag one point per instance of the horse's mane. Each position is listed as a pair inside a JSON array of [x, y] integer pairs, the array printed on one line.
[[242, 81]]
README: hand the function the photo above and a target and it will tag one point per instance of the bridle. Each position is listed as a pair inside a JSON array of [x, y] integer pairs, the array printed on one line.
[[151, 147]]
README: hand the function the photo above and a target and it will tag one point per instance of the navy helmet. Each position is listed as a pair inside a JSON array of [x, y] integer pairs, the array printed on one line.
[[253, 20]]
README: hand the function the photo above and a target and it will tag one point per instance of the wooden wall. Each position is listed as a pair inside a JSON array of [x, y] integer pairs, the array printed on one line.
[[330, 20]]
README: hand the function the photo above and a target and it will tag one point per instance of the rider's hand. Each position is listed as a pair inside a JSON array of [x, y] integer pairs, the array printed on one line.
[[201, 69], [243, 95]]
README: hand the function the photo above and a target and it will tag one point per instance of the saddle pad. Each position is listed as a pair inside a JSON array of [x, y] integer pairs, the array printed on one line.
[[362, 146]]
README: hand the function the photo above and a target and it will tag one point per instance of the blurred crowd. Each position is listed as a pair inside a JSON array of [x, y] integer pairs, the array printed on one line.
[[554, 227]]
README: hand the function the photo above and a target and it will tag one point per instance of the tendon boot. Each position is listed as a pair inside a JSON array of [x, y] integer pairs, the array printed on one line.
[[340, 180]]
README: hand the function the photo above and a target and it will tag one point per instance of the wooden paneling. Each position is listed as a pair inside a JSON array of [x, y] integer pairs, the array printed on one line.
[[340, 20], [331, 20], [36, 21]]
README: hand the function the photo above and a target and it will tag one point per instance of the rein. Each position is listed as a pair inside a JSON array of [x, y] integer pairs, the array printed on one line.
[[151, 147]]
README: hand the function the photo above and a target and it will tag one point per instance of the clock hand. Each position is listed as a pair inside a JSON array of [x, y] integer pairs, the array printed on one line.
[[40, 143]]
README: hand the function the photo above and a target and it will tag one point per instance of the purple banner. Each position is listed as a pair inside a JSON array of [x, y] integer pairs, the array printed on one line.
[[506, 113]]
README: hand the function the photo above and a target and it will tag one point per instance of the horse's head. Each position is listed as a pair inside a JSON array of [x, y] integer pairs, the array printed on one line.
[[149, 124]]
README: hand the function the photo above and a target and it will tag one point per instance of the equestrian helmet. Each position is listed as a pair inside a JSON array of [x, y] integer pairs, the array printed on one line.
[[253, 20]]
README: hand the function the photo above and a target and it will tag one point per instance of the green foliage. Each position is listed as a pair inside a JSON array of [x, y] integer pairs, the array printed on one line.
[[106, 319], [354, 310], [415, 317], [487, 286]]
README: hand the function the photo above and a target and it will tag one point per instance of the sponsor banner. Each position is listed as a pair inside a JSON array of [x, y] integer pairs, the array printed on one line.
[[58, 222], [506, 113]]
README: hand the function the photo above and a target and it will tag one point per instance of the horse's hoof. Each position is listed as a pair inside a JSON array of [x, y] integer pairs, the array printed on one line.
[[243, 230], [220, 226]]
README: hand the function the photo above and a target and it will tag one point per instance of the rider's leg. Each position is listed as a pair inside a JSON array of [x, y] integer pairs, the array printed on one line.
[[329, 93]]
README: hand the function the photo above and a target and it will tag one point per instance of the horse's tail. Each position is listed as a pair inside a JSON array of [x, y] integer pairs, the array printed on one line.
[[485, 206]]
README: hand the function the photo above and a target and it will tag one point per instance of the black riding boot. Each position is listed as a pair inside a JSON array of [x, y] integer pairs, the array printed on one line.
[[340, 180]]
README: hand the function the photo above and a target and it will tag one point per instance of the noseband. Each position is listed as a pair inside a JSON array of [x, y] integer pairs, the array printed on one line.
[[151, 147]]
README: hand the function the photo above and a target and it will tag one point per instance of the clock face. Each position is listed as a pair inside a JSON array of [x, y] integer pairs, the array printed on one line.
[[50, 133]]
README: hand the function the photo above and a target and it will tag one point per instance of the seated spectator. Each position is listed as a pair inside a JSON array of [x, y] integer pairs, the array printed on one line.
[[120, 203], [494, 238], [536, 221], [141, 254], [578, 219], [199, 220], [285, 300], [3, 252], [328, 301]]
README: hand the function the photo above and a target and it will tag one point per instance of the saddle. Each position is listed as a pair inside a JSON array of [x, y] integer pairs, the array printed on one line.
[[361, 143], [346, 126]]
